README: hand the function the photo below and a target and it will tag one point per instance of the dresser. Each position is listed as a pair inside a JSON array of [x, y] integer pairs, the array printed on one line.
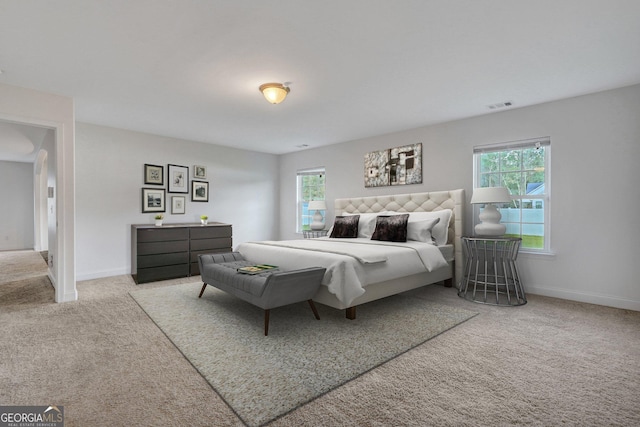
[[171, 251]]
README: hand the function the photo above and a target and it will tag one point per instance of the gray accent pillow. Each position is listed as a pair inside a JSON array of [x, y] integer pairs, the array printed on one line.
[[391, 228], [345, 227]]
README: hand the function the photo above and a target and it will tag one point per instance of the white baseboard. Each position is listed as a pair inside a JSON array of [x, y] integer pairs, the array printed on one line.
[[69, 296], [100, 274], [584, 297]]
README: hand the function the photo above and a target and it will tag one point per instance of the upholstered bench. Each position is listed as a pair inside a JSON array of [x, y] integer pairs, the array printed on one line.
[[266, 290]]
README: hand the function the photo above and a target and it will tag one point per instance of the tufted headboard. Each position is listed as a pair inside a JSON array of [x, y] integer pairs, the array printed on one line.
[[416, 202]]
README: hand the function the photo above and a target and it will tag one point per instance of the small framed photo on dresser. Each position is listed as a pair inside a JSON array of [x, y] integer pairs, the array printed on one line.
[[178, 177], [199, 191], [153, 174]]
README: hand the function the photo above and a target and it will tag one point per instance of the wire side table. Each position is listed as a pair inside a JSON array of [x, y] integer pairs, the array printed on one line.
[[312, 234], [490, 272]]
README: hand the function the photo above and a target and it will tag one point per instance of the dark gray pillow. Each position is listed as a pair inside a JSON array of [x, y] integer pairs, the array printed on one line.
[[391, 228], [345, 226]]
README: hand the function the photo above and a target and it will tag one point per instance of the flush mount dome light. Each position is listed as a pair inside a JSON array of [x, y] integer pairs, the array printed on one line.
[[275, 93]]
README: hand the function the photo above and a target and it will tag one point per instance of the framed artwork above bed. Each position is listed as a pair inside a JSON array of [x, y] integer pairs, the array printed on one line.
[[394, 166]]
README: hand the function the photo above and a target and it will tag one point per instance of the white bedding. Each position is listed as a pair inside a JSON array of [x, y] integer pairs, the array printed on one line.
[[351, 264]]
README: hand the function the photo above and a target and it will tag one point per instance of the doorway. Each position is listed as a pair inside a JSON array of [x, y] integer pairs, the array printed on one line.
[[28, 168], [36, 109]]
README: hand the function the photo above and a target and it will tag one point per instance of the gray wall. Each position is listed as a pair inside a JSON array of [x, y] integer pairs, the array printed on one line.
[[16, 221], [595, 148], [243, 191]]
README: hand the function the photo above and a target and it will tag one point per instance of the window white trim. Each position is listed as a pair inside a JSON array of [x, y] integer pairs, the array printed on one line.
[[546, 197]]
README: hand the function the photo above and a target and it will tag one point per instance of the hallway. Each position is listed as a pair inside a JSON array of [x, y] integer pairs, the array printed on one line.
[[23, 280]]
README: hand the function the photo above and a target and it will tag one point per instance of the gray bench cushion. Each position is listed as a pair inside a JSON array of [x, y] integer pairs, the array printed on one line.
[[226, 273]]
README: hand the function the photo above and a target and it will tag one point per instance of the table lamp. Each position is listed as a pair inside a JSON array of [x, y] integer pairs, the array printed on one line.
[[490, 216], [318, 221]]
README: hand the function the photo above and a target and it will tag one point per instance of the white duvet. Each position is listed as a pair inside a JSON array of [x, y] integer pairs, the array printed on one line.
[[351, 264]]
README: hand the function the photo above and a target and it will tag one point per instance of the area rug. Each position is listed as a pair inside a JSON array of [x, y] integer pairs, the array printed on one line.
[[262, 378]]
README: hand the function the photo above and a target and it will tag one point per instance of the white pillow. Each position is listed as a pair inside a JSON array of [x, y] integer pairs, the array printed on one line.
[[366, 224], [440, 231], [421, 231]]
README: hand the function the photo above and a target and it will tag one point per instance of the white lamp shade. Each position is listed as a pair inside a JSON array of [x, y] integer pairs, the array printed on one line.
[[317, 205], [486, 195]]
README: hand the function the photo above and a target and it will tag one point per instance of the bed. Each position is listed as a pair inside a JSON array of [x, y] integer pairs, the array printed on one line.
[[360, 270]]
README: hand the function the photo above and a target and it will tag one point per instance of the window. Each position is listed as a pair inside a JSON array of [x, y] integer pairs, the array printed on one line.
[[310, 187], [522, 167]]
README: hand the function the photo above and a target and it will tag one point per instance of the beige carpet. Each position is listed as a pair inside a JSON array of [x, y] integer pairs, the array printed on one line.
[[261, 377], [550, 362]]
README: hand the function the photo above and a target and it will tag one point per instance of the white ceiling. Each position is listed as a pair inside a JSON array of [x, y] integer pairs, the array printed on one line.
[[191, 69]]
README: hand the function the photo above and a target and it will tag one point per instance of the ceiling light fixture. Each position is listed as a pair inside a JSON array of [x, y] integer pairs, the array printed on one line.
[[275, 93]]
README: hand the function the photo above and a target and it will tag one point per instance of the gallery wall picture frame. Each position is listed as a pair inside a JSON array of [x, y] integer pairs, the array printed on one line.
[[199, 191], [153, 174], [178, 179], [153, 200], [178, 205], [199, 172]]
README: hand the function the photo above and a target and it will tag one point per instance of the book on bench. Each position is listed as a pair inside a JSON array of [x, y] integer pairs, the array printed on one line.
[[256, 269]]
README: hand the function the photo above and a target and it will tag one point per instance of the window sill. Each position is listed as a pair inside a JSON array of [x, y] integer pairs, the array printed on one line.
[[535, 254]]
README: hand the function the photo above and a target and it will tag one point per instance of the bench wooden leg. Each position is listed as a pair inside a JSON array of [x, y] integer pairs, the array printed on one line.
[[351, 313], [313, 308], [266, 322], [204, 286]]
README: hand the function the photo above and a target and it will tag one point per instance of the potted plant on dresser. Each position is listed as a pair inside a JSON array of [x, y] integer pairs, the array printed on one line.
[[159, 218], [204, 219]]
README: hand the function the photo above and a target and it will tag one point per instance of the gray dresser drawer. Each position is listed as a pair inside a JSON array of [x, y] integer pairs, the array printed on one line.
[[210, 232], [160, 234], [203, 244], [162, 273], [163, 247], [146, 261]]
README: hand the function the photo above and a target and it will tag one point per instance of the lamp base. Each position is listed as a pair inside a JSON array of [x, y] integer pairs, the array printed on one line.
[[488, 229], [490, 222], [317, 223]]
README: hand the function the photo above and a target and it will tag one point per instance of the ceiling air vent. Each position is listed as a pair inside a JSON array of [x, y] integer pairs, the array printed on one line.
[[500, 105]]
